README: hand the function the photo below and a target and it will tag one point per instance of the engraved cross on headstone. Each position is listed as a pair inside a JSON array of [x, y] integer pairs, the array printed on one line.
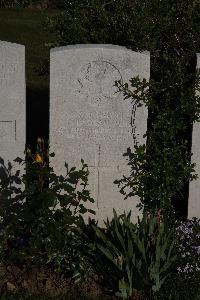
[[98, 167]]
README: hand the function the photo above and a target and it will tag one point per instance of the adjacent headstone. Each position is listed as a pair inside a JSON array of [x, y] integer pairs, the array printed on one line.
[[12, 101], [194, 191], [89, 119]]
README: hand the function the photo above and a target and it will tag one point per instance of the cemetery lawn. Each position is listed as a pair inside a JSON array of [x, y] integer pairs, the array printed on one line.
[[25, 26]]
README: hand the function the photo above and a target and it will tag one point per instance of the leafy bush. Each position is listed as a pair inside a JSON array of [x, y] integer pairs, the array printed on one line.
[[146, 25], [108, 253], [128, 258], [179, 287], [125, 258], [189, 246], [184, 282], [170, 169], [38, 221], [92, 21], [149, 258]]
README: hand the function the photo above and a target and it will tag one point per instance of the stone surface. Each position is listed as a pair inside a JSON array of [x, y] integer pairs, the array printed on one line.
[[12, 101], [89, 120], [194, 190]]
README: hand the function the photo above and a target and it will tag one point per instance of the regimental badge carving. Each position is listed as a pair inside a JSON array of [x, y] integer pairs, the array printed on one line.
[[96, 82]]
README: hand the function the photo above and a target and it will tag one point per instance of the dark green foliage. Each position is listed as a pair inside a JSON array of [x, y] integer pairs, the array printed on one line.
[[110, 253], [185, 282], [123, 257], [145, 24], [34, 231], [157, 180], [129, 257], [96, 21], [188, 245], [180, 287], [148, 257]]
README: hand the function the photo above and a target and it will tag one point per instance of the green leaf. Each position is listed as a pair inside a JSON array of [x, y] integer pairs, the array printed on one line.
[[120, 238], [82, 209], [91, 211], [52, 154]]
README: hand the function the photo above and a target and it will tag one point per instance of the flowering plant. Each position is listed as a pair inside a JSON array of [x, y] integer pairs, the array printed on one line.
[[39, 220], [188, 234]]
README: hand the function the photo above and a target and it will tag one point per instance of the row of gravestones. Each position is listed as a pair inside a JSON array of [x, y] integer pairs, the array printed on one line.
[[88, 119]]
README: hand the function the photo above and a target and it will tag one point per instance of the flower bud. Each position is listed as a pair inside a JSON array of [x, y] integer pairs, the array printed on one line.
[[39, 140], [28, 151], [38, 159]]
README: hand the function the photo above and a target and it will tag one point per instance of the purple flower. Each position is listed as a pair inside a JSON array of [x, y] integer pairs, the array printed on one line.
[[188, 234]]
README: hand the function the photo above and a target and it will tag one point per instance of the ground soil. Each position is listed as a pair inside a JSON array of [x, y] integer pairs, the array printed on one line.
[[41, 281]]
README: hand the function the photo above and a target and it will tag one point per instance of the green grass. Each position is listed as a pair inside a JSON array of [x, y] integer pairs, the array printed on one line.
[[25, 27]]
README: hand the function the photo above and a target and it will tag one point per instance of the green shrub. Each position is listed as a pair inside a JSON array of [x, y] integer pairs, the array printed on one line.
[[157, 181], [180, 287], [108, 252], [127, 257], [188, 244], [39, 212]]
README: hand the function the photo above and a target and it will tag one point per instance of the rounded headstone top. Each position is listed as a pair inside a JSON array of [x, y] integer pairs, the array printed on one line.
[[9, 44], [12, 80], [95, 46]]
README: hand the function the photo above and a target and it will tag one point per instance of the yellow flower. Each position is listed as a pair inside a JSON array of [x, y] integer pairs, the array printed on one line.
[[38, 158]]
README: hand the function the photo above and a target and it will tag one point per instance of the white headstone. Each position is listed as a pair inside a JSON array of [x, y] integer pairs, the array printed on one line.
[[12, 101], [89, 120], [194, 190]]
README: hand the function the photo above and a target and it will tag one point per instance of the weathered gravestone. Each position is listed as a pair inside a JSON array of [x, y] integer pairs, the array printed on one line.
[[12, 101], [89, 120], [194, 191]]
